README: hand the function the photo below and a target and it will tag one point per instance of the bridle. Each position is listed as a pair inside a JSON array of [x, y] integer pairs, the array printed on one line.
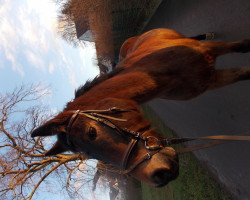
[[151, 143], [103, 116]]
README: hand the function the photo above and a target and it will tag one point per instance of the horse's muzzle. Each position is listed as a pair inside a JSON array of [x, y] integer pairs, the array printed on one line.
[[165, 167]]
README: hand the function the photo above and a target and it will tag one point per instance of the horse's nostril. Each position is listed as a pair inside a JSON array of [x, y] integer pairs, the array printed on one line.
[[162, 177]]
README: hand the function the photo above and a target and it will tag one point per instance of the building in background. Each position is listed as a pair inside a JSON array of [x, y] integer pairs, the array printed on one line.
[[109, 23]]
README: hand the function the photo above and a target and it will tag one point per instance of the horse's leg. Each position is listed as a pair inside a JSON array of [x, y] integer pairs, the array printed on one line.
[[223, 77], [220, 48], [207, 36]]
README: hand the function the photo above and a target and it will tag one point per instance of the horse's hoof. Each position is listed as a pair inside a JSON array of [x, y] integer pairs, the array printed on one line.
[[245, 46], [210, 36], [242, 46]]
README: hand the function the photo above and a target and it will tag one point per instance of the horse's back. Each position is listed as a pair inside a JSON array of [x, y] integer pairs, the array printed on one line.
[[155, 36], [138, 47]]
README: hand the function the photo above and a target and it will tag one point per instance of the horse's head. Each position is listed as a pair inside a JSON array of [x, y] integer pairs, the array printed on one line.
[[129, 145]]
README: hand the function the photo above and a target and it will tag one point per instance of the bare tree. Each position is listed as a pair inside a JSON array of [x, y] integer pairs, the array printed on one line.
[[23, 166]]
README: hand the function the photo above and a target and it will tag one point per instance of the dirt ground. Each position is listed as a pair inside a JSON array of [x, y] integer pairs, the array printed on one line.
[[224, 111]]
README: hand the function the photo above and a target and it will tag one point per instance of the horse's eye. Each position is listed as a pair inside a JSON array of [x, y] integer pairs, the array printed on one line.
[[92, 133]]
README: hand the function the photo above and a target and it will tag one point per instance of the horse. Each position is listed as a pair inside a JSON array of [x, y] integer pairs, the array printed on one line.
[[105, 122]]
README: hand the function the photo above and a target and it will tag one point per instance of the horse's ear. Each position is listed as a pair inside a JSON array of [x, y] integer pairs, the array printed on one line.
[[56, 149], [52, 127]]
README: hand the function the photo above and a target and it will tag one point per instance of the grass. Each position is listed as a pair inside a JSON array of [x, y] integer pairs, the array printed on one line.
[[194, 181]]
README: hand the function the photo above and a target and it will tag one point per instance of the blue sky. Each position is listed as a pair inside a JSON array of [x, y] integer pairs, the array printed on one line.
[[31, 51]]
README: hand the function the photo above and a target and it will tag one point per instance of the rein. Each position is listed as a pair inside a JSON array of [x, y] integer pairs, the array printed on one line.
[[151, 143]]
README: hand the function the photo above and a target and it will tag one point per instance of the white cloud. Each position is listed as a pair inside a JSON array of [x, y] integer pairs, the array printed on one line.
[[72, 80], [29, 40], [25, 31], [7, 38], [51, 68], [16, 67], [87, 53], [35, 59]]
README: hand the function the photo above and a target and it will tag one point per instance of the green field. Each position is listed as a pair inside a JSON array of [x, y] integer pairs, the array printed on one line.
[[194, 181]]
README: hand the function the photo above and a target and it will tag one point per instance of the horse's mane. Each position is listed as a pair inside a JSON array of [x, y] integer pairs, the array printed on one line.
[[98, 79]]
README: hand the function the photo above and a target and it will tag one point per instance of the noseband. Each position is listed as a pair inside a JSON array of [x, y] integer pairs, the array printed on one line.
[[151, 143]]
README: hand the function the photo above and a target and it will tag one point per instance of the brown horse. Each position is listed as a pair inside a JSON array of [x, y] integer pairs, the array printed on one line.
[[159, 63]]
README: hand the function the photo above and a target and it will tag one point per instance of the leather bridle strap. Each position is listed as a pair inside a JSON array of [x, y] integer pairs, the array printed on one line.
[[68, 128], [217, 139], [127, 153], [197, 147], [146, 157], [72, 119]]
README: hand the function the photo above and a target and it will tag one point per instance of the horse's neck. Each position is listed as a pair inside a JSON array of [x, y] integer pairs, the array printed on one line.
[[137, 86], [136, 121]]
